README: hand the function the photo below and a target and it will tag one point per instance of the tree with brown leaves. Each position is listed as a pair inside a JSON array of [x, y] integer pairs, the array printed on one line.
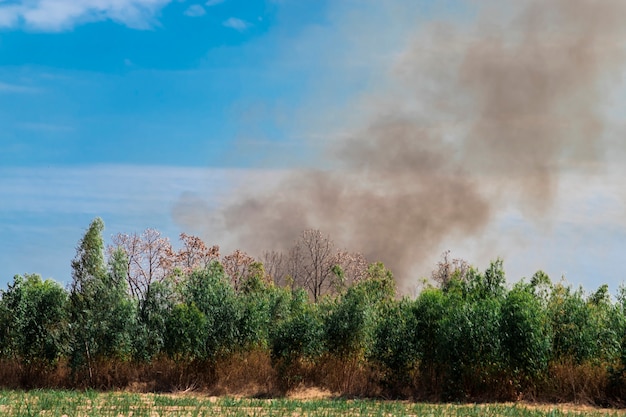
[[238, 266], [195, 254]]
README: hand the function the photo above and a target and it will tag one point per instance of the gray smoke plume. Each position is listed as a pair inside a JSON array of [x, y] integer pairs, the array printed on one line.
[[476, 116]]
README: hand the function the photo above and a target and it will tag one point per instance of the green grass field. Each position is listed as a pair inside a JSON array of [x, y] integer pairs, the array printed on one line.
[[95, 404]]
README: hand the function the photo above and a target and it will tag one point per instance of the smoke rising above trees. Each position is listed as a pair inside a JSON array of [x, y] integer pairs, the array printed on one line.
[[471, 117]]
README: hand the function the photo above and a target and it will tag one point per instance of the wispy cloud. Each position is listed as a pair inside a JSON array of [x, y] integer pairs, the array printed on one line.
[[9, 15], [195, 10], [214, 2], [58, 15], [16, 88], [95, 189], [41, 205], [237, 24], [45, 127]]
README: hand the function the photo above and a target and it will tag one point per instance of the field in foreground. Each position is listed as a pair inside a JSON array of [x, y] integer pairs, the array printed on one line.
[[115, 404]]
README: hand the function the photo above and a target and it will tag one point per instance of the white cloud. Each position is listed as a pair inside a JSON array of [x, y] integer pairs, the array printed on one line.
[[214, 2], [237, 24], [58, 15], [195, 10]]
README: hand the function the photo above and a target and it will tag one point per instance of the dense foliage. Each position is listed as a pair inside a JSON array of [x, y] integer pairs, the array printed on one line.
[[471, 336]]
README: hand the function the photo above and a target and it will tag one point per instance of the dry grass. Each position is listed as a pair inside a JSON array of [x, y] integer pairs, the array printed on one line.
[[254, 374], [352, 377], [249, 374], [580, 384], [14, 375]]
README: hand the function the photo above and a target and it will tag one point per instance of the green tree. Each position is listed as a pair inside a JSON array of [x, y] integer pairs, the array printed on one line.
[[619, 322], [186, 332], [102, 314], [489, 284], [395, 344], [210, 291], [352, 321], [42, 327], [525, 336], [153, 316], [9, 307], [88, 264], [541, 286], [379, 283], [298, 339], [458, 333], [300, 334], [606, 323], [262, 306], [428, 311], [573, 339], [37, 332]]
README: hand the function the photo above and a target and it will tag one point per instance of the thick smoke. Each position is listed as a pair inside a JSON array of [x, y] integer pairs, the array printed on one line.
[[539, 93], [474, 117]]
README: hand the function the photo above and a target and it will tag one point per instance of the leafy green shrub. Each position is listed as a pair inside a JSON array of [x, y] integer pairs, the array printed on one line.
[[395, 345], [300, 335], [211, 293], [186, 333], [525, 337], [458, 333], [607, 325], [37, 332], [573, 338], [263, 306], [350, 326], [297, 340], [153, 316], [9, 307], [429, 310]]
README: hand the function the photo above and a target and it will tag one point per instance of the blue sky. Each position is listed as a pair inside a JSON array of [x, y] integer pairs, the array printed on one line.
[[167, 89], [117, 108], [121, 108]]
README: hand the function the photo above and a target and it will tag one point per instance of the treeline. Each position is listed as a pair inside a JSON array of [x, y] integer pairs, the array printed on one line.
[[470, 337]]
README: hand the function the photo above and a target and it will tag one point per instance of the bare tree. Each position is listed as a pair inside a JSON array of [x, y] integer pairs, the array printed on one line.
[[130, 244], [311, 263], [353, 267], [150, 258], [275, 264], [314, 264], [448, 269]]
